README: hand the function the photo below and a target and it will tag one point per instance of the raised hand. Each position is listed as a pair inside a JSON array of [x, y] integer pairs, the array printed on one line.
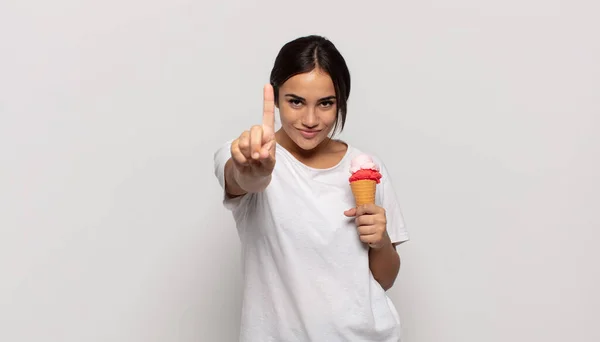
[[253, 153]]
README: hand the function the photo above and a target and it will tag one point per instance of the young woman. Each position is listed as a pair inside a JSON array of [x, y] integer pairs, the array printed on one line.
[[316, 267]]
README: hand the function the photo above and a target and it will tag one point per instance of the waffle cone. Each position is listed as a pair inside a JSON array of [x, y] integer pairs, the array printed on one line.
[[364, 191]]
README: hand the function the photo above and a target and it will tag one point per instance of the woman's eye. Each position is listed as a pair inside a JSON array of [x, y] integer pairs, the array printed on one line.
[[295, 103], [326, 104]]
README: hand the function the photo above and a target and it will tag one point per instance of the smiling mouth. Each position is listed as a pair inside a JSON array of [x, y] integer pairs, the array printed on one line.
[[309, 133]]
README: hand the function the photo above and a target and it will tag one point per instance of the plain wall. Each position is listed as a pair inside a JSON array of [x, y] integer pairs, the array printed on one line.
[[486, 114]]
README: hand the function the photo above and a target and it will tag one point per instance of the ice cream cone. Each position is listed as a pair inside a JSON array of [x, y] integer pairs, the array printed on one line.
[[364, 191]]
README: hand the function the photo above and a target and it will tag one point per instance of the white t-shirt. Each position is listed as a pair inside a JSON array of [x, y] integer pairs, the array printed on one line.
[[306, 274]]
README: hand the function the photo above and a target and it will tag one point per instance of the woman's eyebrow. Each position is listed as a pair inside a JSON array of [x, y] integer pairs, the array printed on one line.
[[295, 97], [332, 97], [300, 98]]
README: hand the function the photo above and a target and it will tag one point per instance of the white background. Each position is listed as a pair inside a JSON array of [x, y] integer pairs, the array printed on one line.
[[485, 112]]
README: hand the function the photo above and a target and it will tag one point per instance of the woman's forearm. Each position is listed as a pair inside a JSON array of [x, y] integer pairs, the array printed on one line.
[[384, 263]]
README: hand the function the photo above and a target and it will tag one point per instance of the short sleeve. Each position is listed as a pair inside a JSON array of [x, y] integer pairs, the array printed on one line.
[[221, 157], [388, 200]]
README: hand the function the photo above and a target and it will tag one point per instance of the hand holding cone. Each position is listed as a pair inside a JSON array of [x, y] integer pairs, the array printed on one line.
[[370, 219]]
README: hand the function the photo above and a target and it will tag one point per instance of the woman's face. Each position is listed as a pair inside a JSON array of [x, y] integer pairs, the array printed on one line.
[[307, 108]]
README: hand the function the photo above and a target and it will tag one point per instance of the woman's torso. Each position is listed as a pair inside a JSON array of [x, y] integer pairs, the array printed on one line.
[[306, 273]]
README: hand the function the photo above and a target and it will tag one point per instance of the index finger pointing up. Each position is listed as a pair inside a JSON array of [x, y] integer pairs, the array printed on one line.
[[269, 111]]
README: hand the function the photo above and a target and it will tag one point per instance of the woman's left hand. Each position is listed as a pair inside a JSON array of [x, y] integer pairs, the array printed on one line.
[[371, 224]]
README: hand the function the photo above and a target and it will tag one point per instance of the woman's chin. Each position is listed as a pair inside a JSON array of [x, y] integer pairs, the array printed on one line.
[[304, 143], [308, 144]]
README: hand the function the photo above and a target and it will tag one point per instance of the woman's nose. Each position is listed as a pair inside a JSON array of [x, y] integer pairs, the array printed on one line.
[[310, 120]]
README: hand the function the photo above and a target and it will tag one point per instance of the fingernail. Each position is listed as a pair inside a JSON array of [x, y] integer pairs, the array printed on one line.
[[255, 155]]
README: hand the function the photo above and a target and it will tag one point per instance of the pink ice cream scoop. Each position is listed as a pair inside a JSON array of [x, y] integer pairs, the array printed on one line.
[[363, 162]]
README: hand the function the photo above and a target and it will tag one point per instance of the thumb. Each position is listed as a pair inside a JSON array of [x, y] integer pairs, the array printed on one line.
[[265, 151], [350, 212]]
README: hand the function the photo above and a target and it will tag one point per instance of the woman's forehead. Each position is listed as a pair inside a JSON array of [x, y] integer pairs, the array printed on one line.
[[311, 85]]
